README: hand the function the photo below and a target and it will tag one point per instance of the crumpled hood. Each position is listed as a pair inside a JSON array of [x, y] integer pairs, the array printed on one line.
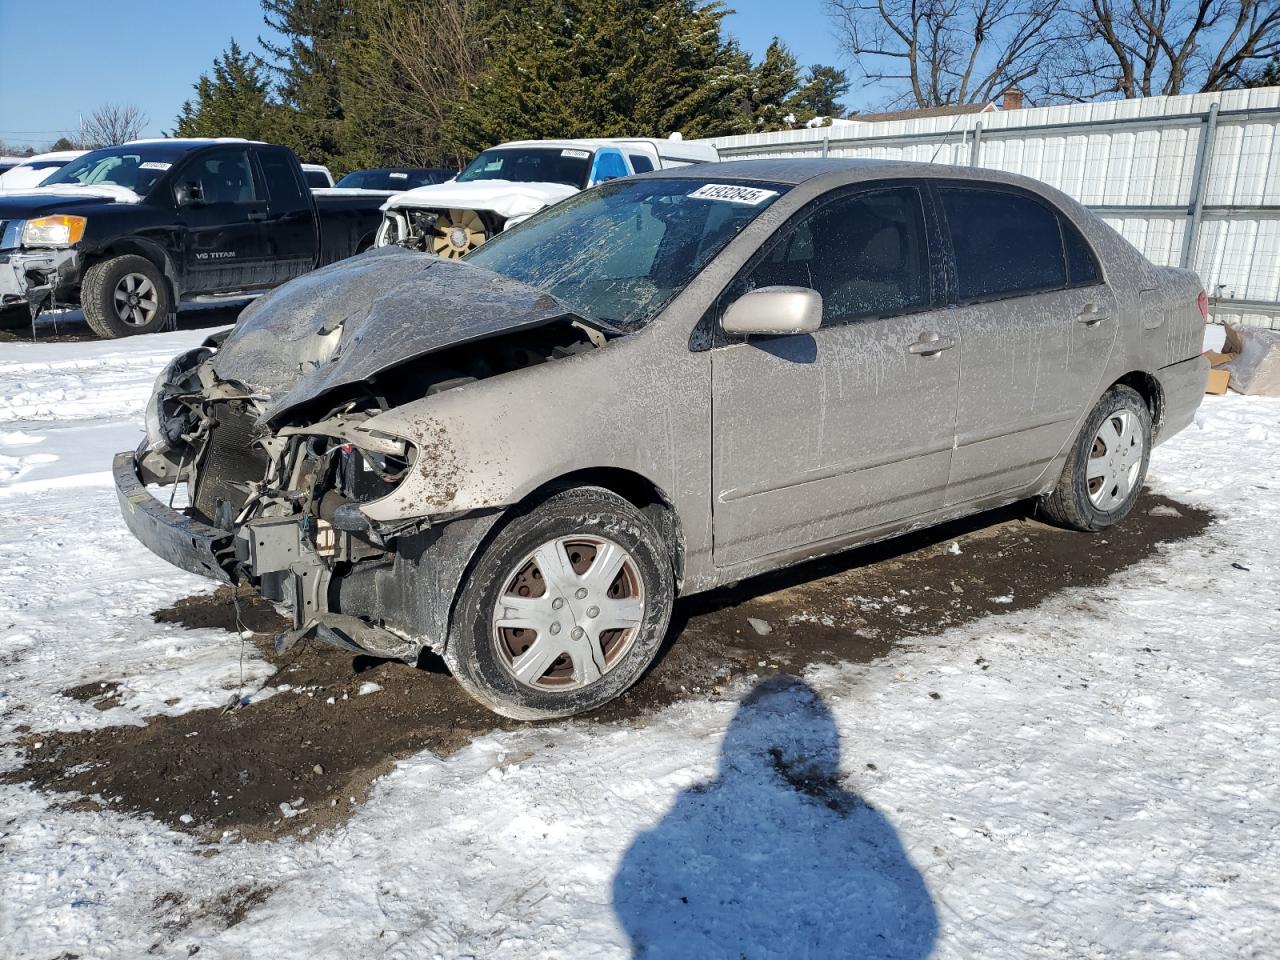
[[354, 319], [504, 197]]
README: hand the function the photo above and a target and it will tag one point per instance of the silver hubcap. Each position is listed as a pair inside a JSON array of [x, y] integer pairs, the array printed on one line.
[[569, 613], [1115, 460], [135, 300]]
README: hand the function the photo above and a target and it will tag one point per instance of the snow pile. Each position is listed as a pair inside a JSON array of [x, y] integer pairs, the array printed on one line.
[[1092, 777]]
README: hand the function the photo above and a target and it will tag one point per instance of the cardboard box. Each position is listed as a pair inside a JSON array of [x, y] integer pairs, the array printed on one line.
[[1217, 382], [1218, 359]]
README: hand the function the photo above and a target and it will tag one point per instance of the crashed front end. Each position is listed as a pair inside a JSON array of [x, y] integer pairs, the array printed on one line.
[[280, 511], [273, 434]]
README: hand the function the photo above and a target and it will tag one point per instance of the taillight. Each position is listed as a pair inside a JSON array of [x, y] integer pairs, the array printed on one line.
[[1202, 302]]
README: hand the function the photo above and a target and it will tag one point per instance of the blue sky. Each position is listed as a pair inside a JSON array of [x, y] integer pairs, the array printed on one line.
[[60, 60]]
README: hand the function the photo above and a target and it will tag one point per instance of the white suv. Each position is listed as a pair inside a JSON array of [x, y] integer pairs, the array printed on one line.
[[512, 181]]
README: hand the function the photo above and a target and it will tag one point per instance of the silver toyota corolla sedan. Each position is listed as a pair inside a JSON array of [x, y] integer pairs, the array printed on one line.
[[660, 385]]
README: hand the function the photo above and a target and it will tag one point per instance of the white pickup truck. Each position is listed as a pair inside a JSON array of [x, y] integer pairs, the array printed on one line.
[[511, 182]]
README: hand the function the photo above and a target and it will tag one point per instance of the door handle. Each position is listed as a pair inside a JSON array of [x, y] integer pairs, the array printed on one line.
[[257, 215], [1091, 316], [931, 344]]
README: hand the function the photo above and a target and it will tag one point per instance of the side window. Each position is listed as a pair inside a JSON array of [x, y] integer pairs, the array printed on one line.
[[224, 176], [640, 163], [1082, 268], [1004, 244], [609, 166], [866, 253], [280, 174]]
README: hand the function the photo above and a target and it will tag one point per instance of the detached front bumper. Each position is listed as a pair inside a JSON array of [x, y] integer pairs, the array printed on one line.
[[171, 535], [27, 274]]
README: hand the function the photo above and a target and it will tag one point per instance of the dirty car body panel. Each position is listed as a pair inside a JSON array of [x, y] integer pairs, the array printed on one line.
[[363, 432]]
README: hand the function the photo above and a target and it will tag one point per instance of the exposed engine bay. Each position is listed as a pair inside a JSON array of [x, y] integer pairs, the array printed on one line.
[[271, 429], [446, 233]]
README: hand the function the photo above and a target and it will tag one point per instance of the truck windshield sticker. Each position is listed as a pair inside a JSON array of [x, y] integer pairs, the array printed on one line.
[[728, 193], [577, 154], [154, 165], [399, 176]]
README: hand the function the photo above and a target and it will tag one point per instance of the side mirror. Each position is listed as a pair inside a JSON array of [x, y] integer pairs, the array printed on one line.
[[189, 194], [774, 310]]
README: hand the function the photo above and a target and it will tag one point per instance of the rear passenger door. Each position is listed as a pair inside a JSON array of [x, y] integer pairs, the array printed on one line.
[[290, 231], [1036, 321], [820, 436]]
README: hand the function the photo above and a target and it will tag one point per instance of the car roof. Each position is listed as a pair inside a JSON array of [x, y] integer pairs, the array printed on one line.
[[839, 170], [188, 141]]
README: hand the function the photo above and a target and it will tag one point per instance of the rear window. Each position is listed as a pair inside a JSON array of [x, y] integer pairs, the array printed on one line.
[[1005, 244], [393, 179], [1082, 267], [316, 178], [278, 169], [640, 163]]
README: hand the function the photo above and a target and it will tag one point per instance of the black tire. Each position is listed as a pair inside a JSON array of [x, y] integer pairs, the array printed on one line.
[[15, 318], [1072, 503], [473, 652], [98, 297]]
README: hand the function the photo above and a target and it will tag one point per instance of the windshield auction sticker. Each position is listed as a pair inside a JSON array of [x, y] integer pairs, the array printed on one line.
[[576, 154], [727, 193], [154, 165]]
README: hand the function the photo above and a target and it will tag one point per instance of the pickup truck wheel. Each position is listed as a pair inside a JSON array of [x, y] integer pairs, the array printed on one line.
[[1107, 465], [565, 608], [124, 296]]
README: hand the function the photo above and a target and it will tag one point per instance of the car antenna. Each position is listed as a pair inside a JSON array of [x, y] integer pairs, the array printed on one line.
[[960, 116]]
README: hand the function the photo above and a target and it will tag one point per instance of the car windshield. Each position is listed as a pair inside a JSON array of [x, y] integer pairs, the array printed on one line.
[[567, 165], [391, 179], [619, 252], [135, 167]]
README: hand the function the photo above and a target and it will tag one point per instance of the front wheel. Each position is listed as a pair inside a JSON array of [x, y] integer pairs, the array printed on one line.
[[1105, 470], [124, 296], [565, 608]]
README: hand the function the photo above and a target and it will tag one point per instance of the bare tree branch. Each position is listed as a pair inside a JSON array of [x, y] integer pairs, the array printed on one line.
[[1138, 48], [956, 51], [113, 123]]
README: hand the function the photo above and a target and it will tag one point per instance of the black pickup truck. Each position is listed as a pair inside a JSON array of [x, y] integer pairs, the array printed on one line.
[[129, 232]]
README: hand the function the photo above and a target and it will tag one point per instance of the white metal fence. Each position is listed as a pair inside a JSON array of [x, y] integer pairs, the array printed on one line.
[[1190, 181]]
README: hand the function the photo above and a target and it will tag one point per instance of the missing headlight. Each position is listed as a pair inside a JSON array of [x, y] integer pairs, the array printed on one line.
[[363, 475]]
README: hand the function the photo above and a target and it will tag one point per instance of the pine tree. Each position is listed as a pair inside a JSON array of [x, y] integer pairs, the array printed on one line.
[[773, 84], [1267, 76], [308, 67], [233, 102], [820, 92], [581, 68]]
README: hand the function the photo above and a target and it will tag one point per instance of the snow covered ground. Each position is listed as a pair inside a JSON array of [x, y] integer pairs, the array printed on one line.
[[1094, 777]]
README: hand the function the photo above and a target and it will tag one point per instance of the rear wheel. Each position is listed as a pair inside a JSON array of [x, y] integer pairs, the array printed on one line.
[[124, 296], [565, 608], [1105, 470]]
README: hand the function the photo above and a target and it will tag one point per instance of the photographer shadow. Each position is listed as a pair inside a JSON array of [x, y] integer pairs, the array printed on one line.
[[774, 858]]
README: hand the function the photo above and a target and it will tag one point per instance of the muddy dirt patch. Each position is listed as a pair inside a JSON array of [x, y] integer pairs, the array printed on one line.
[[304, 756]]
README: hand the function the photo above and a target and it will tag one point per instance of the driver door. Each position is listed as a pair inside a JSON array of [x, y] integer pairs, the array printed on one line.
[[820, 436], [224, 249]]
